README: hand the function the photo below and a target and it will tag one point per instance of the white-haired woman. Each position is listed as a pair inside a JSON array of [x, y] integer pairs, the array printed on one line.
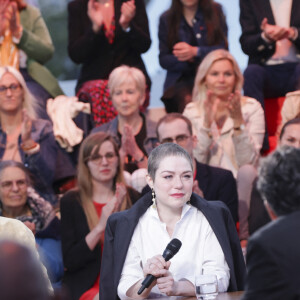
[[230, 127], [24, 138], [132, 130]]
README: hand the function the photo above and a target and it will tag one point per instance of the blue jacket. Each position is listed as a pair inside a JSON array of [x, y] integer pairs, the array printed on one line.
[[168, 61], [120, 227]]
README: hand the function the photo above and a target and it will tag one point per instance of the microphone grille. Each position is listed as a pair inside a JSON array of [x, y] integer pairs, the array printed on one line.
[[174, 246]]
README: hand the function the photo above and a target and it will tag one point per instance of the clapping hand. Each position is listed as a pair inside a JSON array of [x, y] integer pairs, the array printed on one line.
[[94, 12], [129, 146], [128, 11], [210, 108], [10, 18], [184, 52], [26, 128], [234, 108]]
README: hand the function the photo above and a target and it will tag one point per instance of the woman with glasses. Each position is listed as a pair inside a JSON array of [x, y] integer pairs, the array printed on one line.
[[18, 200], [23, 137], [31, 37], [101, 191]]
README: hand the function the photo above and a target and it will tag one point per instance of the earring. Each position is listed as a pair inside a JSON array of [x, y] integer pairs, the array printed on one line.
[[153, 196]]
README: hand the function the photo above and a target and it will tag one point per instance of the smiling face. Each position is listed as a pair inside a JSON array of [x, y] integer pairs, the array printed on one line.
[[104, 164], [173, 183], [11, 99], [127, 99], [220, 78], [13, 189]]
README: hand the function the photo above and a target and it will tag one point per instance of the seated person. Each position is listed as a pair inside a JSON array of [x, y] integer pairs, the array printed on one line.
[[229, 127], [258, 216], [134, 133], [101, 191], [273, 253], [19, 201], [19, 268], [291, 107], [135, 239], [271, 39], [31, 37], [210, 183], [25, 138], [14, 230]]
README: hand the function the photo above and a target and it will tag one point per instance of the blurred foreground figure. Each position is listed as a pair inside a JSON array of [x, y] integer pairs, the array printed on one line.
[[273, 254]]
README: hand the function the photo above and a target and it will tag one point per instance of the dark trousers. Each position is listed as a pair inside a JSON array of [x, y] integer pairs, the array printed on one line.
[[263, 81]]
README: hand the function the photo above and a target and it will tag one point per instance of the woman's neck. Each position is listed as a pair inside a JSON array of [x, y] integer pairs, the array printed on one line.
[[15, 212], [9, 122], [189, 13], [135, 122], [102, 192], [169, 216]]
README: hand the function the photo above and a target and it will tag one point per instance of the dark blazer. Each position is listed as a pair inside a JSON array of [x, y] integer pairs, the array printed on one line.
[[252, 12], [97, 56], [218, 184], [175, 69], [273, 261], [120, 228]]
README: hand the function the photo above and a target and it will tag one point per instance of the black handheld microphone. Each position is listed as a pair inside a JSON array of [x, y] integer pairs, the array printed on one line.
[[171, 249]]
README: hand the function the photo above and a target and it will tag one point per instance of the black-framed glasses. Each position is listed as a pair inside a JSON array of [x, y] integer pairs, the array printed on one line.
[[8, 184], [13, 87], [97, 158], [179, 139]]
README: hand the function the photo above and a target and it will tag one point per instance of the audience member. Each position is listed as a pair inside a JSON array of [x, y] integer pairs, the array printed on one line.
[[270, 37], [21, 275], [134, 133], [103, 35], [84, 211], [32, 39], [258, 215], [206, 229], [273, 253], [19, 201], [187, 32], [210, 183], [16, 231], [229, 127], [25, 138]]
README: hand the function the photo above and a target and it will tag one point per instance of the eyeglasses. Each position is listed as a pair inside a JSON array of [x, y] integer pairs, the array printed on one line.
[[13, 87], [179, 139], [97, 158], [7, 185]]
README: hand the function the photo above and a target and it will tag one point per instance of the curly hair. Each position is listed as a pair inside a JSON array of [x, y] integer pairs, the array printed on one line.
[[279, 180]]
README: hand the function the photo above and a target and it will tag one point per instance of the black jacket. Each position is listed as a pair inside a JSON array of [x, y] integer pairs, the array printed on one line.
[[120, 228]]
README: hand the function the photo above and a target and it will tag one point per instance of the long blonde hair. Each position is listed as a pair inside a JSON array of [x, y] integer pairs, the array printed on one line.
[[29, 102], [199, 90], [92, 143]]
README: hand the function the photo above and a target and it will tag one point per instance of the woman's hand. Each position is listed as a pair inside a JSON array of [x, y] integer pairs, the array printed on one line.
[[4, 15], [128, 11], [156, 266], [274, 32], [184, 52], [167, 284], [31, 226], [129, 145], [94, 12], [234, 108], [15, 24], [26, 129], [210, 106]]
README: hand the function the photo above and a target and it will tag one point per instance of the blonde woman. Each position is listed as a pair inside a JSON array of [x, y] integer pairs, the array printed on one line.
[[230, 127], [84, 212]]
